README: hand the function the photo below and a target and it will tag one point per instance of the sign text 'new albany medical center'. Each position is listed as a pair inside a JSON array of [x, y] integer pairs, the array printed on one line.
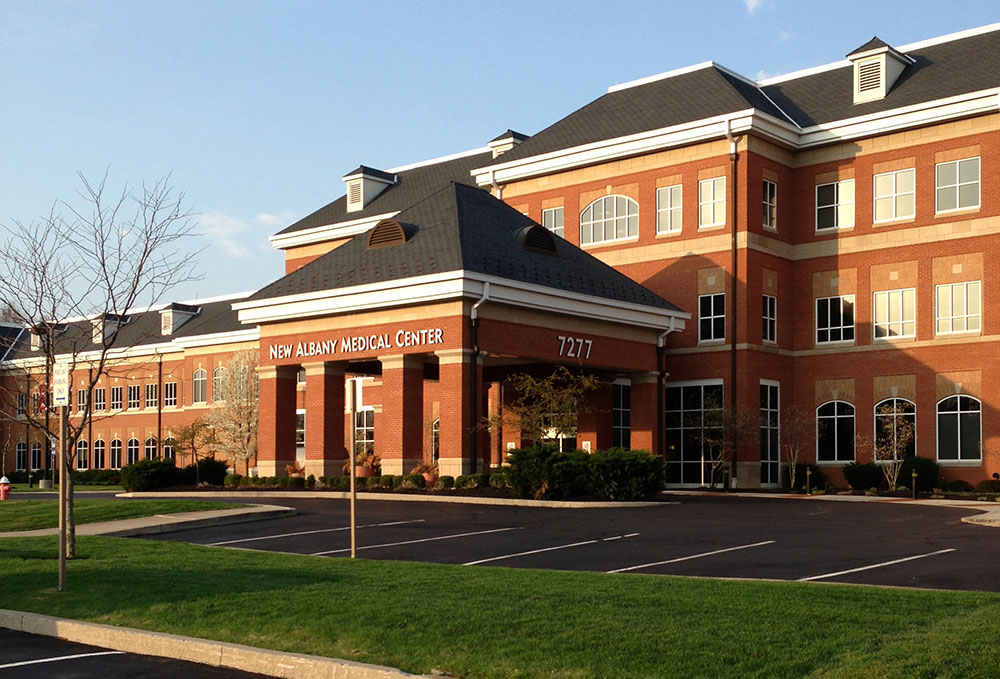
[[350, 345]]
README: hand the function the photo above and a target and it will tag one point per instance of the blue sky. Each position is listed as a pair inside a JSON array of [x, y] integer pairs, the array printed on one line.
[[257, 109]]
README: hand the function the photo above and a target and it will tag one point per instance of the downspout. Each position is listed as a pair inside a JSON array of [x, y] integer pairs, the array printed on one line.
[[661, 384], [497, 189], [159, 401], [733, 160], [474, 336]]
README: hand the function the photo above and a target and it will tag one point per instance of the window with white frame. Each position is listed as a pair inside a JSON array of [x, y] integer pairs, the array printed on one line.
[[895, 429], [769, 318], [22, 402], [668, 209], [99, 454], [711, 202], [835, 432], [552, 219], [958, 307], [693, 427], [219, 384], [133, 396], [959, 429], [36, 455], [132, 451], [116, 398], [608, 219], [956, 185], [82, 450], [151, 448], [770, 199], [99, 400], [152, 395], [436, 440], [835, 205], [199, 386], [116, 453], [835, 319], [894, 195], [21, 456], [895, 313], [169, 448], [81, 399], [712, 317], [364, 431], [170, 394], [770, 451], [300, 435], [621, 415]]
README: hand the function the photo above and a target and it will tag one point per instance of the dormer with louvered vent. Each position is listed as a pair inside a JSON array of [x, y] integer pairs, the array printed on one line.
[[537, 239], [876, 68], [176, 315], [505, 142], [385, 234], [364, 184]]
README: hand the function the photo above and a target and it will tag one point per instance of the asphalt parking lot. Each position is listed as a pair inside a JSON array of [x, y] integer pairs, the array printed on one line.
[[29, 656], [893, 544]]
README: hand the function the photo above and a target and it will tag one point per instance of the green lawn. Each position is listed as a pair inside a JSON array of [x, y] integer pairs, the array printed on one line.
[[509, 623], [35, 514], [23, 488]]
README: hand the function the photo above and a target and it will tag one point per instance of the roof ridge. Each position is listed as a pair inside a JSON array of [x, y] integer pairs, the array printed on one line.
[[441, 159], [662, 76]]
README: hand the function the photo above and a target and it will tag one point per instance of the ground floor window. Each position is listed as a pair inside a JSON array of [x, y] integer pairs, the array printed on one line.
[[693, 428], [436, 439], [835, 432], [150, 448], [300, 436], [21, 458], [895, 429], [959, 429], [621, 415], [98, 454], [116, 454], [132, 451], [82, 448], [169, 449], [36, 455], [364, 431], [770, 454]]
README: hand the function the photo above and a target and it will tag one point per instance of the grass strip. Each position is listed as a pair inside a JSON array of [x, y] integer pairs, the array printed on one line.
[[23, 488], [35, 514], [487, 623]]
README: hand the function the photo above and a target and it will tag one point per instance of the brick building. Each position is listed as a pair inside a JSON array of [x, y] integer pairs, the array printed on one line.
[[827, 231]]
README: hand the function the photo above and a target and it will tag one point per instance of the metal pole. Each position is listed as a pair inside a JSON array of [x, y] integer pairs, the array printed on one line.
[[63, 496], [352, 458]]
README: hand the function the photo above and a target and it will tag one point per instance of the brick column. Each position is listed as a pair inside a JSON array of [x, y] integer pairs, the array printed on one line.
[[276, 430], [594, 421], [399, 432], [455, 376], [644, 403], [325, 450]]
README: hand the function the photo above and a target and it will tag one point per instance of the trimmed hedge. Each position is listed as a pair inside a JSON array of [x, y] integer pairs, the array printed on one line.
[[864, 476], [988, 486], [613, 474], [628, 475], [147, 475], [927, 473], [817, 477], [210, 471]]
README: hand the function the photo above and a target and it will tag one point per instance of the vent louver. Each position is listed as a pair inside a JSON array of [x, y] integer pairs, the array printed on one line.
[[869, 76], [354, 192], [537, 239], [385, 234]]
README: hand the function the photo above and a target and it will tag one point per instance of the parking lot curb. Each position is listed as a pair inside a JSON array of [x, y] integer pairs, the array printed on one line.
[[214, 653], [391, 497]]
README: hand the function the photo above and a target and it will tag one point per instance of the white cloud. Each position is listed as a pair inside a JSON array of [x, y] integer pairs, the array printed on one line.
[[783, 35], [224, 231], [762, 75], [280, 219], [753, 5]]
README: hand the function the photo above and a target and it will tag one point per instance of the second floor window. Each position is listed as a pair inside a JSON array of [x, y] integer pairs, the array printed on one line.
[[219, 384], [116, 398], [81, 399], [770, 217], [552, 219], [133, 396], [99, 400], [895, 314], [151, 395], [957, 185], [668, 209], [712, 202], [958, 307], [199, 386], [712, 317], [170, 394], [835, 319], [769, 315], [894, 195], [835, 205], [608, 219]]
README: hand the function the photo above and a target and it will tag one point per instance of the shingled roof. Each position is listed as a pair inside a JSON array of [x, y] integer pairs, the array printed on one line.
[[456, 228]]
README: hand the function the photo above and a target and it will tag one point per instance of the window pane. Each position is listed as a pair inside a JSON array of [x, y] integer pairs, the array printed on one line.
[[945, 174], [825, 218], [825, 195], [904, 206], [883, 185], [904, 181], [846, 191], [883, 209], [704, 191], [947, 198], [968, 170], [968, 195], [969, 441]]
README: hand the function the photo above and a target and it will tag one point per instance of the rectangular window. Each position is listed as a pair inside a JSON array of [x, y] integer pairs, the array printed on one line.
[[894, 195], [770, 458], [769, 315], [835, 319], [895, 314], [668, 209], [552, 219], [694, 430], [170, 394], [958, 307], [621, 415], [835, 205], [770, 206], [81, 399], [133, 396], [22, 402], [152, 394], [712, 202], [99, 400], [364, 431], [116, 398], [712, 317], [957, 185]]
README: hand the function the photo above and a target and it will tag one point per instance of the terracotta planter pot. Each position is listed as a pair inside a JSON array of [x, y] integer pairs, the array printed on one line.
[[430, 479], [363, 472]]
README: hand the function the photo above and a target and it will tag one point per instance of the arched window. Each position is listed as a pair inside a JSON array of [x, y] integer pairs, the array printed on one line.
[[82, 448], [435, 439], [99, 454], [36, 455], [116, 454], [219, 384], [22, 456], [895, 429], [959, 429], [608, 219], [835, 432], [200, 386], [132, 451], [151, 448], [169, 449]]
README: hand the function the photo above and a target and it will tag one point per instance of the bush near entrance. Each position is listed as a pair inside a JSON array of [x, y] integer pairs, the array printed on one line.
[[614, 474], [868, 476], [147, 475]]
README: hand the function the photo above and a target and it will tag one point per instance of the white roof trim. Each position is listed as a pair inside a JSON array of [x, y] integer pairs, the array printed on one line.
[[662, 76], [327, 232], [442, 159]]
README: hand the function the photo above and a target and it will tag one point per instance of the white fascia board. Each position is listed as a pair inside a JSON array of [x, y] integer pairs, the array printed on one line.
[[662, 76], [620, 147], [327, 232], [926, 113], [230, 337]]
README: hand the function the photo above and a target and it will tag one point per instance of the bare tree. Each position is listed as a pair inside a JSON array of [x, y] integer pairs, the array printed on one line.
[[75, 281], [798, 429], [234, 418], [725, 431], [894, 433], [196, 438]]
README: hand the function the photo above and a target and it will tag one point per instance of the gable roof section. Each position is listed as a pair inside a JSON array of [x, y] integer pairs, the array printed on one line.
[[461, 228]]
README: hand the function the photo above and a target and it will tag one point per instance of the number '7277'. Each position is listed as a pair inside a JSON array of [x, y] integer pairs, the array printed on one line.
[[574, 347]]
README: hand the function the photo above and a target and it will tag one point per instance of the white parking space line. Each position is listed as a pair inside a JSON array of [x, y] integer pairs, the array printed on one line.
[[413, 542], [874, 565], [692, 556], [550, 549], [311, 532], [59, 659]]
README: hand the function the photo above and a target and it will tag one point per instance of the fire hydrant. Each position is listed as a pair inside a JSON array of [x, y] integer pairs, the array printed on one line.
[[4, 488]]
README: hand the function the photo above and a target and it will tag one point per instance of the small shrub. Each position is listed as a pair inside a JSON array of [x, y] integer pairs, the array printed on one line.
[[311, 481], [397, 480], [93, 477], [498, 479], [340, 482], [530, 470], [988, 486], [232, 480], [412, 482], [209, 470], [444, 482], [960, 486], [469, 481], [147, 475], [863, 476], [625, 475], [385, 480], [927, 472], [817, 477]]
